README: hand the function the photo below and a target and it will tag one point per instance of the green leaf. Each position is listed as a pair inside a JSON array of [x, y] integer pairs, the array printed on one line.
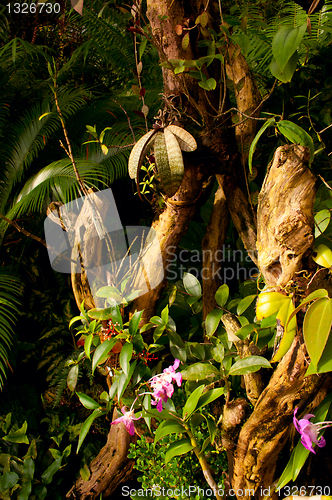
[[175, 338], [297, 135], [125, 357], [285, 42], [72, 377], [168, 427], [124, 380], [102, 350], [8, 480], [87, 345], [316, 328], [192, 285], [100, 313], [18, 436], [210, 396], [141, 47], [28, 468], [87, 402], [164, 315], [86, 426], [200, 371], [209, 84], [269, 123], [245, 331], [322, 220], [245, 303], [25, 490], [41, 491], [163, 415], [178, 448], [250, 364], [48, 474], [178, 352], [286, 75], [218, 352], [243, 41], [212, 321], [191, 402], [134, 322], [322, 256], [85, 472], [109, 292], [221, 295]]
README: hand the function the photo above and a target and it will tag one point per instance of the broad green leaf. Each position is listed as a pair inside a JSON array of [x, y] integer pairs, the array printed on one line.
[[101, 350], [72, 377], [141, 47], [288, 72], [322, 220], [100, 313], [269, 303], [116, 317], [178, 448], [285, 42], [85, 472], [218, 352], [86, 426], [192, 285], [163, 415], [134, 322], [28, 468], [109, 292], [87, 402], [164, 315], [87, 345], [212, 428], [297, 135], [18, 436], [191, 402], [168, 427], [209, 84], [269, 123], [221, 295], [175, 338], [178, 352], [316, 328], [200, 371], [250, 364], [8, 480], [125, 357], [323, 256], [245, 331], [244, 304], [325, 362], [124, 380], [48, 474], [25, 490], [317, 294], [212, 321], [41, 491]]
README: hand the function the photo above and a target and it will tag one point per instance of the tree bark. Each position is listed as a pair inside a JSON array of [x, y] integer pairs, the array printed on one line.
[[109, 469], [285, 233]]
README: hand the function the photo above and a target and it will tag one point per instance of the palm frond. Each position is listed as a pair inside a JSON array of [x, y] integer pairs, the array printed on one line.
[[10, 289]]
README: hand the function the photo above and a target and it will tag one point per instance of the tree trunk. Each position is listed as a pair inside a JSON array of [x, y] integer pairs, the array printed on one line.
[[285, 234]]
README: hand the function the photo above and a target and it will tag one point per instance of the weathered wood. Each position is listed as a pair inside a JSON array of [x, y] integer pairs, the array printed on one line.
[[264, 434], [109, 469], [213, 241], [285, 215]]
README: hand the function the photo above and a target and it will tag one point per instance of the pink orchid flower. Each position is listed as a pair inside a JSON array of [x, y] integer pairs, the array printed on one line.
[[309, 431], [127, 418], [162, 384]]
